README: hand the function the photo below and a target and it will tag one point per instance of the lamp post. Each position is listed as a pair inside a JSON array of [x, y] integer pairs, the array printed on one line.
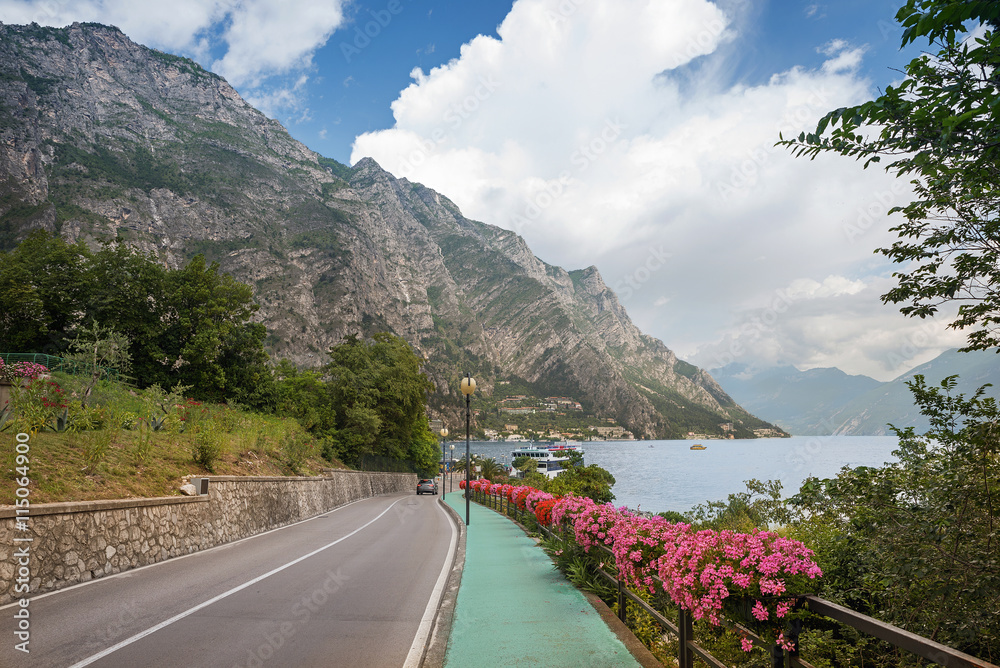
[[444, 467], [468, 386], [451, 477]]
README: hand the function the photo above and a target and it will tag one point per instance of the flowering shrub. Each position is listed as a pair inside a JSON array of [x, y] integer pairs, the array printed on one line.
[[534, 496], [543, 510], [699, 570], [36, 403], [18, 370]]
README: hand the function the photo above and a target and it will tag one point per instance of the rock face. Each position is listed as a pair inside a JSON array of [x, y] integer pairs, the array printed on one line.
[[102, 139]]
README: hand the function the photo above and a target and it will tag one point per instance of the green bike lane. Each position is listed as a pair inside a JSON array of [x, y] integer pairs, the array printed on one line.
[[514, 608]]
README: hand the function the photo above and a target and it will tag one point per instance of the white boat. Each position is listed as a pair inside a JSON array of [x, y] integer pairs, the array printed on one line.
[[550, 459]]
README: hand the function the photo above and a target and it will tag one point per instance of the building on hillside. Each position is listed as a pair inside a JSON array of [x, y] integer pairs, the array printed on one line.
[[612, 432]]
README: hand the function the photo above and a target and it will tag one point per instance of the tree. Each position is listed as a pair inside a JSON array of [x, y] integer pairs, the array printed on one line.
[[209, 341], [917, 543], [98, 349], [940, 127], [491, 470], [590, 481], [377, 394], [128, 292], [42, 289]]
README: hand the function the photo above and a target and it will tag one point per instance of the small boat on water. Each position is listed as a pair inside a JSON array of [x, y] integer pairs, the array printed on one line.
[[698, 446]]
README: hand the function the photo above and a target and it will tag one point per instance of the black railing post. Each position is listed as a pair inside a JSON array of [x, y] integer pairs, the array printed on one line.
[[622, 602], [777, 657], [685, 657]]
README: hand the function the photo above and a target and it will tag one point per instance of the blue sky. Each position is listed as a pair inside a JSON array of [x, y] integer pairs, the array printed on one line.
[[351, 90], [633, 135]]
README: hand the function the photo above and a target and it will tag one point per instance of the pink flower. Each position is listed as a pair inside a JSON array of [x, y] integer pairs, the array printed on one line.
[[759, 611]]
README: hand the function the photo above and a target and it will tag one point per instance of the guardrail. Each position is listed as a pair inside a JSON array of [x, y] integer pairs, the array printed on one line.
[[53, 363], [689, 649]]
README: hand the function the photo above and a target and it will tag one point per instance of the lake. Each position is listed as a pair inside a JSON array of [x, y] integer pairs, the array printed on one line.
[[667, 475]]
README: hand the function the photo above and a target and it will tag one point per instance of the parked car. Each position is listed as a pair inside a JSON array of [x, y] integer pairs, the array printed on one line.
[[427, 485]]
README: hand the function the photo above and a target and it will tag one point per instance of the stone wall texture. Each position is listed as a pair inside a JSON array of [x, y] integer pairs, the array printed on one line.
[[68, 543]]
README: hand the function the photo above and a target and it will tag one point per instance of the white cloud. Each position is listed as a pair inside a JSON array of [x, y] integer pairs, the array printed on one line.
[[824, 325], [603, 136], [246, 41]]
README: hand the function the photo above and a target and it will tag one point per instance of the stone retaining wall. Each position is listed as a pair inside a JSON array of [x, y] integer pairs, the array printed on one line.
[[76, 542]]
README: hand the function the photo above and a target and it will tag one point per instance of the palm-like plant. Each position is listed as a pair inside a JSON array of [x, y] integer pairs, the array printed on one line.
[[491, 470]]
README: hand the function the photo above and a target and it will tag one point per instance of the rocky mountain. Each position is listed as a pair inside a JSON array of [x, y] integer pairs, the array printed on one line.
[[105, 140], [829, 401]]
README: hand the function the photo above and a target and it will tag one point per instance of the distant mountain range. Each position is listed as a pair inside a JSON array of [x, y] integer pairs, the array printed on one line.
[[829, 401]]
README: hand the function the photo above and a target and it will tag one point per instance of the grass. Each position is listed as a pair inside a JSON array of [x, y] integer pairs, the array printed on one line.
[[125, 458]]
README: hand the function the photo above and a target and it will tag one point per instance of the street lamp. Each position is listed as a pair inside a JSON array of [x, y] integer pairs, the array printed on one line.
[[444, 467], [468, 386], [451, 477]]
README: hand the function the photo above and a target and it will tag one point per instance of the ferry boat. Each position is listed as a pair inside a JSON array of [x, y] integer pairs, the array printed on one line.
[[698, 446], [550, 459]]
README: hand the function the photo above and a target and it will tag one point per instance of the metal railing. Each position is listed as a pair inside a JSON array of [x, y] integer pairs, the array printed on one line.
[[53, 363], [683, 629]]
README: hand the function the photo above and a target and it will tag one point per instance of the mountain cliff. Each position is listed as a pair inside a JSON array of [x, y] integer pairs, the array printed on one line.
[[105, 140]]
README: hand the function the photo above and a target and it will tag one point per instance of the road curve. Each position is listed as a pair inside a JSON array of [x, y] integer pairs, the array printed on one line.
[[353, 587]]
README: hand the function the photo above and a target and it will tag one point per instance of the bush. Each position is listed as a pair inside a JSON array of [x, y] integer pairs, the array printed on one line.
[[205, 449]]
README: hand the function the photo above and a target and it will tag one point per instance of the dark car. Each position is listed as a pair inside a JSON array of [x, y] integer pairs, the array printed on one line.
[[427, 485]]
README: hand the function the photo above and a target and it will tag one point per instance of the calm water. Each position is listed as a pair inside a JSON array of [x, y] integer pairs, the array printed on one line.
[[668, 475]]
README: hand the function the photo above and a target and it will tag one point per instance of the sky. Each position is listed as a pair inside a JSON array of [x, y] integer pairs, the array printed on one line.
[[633, 135]]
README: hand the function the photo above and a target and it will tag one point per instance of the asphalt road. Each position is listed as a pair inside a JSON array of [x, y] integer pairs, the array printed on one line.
[[357, 586]]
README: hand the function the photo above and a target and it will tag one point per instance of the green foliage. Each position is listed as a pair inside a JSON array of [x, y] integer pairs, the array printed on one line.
[[590, 481], [133, 166], [917, 543], [759, 507], [192, 325], [339, 169], [98, 348], [940, 127], [206, 448], [295, 449], [491, 470], [43, 289], [368, 402]]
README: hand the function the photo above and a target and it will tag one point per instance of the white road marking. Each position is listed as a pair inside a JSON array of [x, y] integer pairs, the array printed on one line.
[[178, 617], [423, 631]]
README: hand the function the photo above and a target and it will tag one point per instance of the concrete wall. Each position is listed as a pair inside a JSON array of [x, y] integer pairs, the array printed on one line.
[[76, 542]]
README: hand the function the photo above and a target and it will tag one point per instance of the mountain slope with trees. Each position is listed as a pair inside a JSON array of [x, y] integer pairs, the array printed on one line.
[[105, 141]]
